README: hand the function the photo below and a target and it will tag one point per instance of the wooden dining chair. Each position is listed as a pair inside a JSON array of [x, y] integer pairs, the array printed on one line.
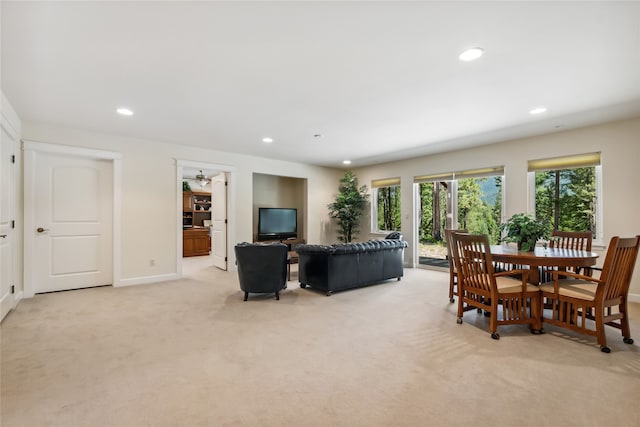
[[507, 300], [575, 298], [453, 275], [577, 240]]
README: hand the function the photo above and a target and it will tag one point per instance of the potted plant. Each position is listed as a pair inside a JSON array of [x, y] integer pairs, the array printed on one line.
[[524, 230], [349, 206]]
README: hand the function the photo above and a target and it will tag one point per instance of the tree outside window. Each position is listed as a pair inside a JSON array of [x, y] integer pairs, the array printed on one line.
[[387, 208], [480, 206], [433, 211], [567, 198]]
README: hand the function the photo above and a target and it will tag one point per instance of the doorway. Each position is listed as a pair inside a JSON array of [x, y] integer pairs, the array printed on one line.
[[434, 215], [204, 214]]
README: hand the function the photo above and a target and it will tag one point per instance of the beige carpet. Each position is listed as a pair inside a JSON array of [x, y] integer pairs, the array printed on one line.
[[192, 353]]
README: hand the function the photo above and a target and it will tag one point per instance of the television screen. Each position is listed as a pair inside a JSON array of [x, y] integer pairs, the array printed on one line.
[[277, 223]]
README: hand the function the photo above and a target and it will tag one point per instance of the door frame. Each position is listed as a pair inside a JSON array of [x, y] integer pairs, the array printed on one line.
[[10, 124], [30, 150], [230, 172]]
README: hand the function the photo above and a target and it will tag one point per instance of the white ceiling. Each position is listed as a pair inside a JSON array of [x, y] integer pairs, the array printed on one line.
[[378, 80]]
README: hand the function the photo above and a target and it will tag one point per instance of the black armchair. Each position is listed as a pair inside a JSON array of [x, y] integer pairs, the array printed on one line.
[[262, 268], [394, 235]]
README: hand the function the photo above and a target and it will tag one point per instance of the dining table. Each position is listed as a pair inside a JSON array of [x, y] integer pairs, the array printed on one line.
[[542, 257]]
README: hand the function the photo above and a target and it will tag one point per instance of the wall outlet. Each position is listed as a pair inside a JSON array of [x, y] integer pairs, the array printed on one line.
[[152, 262]]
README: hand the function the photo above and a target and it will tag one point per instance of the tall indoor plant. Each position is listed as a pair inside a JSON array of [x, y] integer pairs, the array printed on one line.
[[524, 230], [348, 206]]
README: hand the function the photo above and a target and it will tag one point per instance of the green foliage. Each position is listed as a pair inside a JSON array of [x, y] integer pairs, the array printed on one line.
[[426, 218], [475, 211], [479, 208], [468, 200], [525, 231], [388, 203], [349, 205], [186, 186], [566, 198], [431, 229]]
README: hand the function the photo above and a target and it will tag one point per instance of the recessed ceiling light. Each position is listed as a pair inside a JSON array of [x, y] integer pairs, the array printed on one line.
[[125, 111], [538, 110], [471, 54], [346, 162], [267, 140]]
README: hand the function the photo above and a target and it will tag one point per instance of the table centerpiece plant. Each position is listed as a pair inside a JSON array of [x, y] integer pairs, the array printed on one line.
[[524, 230]]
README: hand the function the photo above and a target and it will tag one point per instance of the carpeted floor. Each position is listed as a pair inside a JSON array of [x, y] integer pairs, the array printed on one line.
[[192, 353]]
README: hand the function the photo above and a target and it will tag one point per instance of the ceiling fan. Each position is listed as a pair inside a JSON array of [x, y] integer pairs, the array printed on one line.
[[201, 179]]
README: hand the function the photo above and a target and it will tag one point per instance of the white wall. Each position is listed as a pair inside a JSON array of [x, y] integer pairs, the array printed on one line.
[[149, 194], [619, 143], [148, 205]]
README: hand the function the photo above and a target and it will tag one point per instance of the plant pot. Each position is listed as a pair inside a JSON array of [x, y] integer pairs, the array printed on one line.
[[531, 248]]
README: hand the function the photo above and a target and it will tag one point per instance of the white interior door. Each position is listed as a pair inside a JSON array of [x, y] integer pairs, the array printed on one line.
[[7, 144], [219, 220], [73, 222]]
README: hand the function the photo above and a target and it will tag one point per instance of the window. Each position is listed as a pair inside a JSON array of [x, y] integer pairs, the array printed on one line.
[[567, 192], [386, 205], [480, 206], [469, 199]]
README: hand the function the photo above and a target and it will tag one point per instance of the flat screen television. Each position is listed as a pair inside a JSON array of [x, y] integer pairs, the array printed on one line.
[[277, 223]]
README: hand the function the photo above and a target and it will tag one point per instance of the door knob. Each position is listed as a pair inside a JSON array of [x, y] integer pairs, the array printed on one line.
[[41, 230], [3, 236]]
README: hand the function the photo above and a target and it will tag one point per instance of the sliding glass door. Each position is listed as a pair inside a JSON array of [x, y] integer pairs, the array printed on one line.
[[471, 200]]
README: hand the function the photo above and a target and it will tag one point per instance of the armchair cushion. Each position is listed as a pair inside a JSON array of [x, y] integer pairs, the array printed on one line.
[[581, 289]]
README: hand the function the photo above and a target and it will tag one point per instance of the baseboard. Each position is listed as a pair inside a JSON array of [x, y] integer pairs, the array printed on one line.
[[146, 280], [17, 298], [633, 298]]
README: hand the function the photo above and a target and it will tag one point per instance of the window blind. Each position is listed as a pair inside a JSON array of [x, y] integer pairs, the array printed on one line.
[[565, 162], [479, 173], [471, 173], [446, 176], [386, 182]]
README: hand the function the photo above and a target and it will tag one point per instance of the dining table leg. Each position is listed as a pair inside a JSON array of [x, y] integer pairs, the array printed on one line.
[[534, 275]]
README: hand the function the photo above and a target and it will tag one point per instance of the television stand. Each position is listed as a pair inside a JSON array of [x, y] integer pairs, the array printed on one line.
[[292, 257]]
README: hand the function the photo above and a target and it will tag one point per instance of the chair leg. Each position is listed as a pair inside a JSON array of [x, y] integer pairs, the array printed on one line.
[[600, 332], [460, 305], [624, 324], [451, 284], [277, 295], [246, 295], [493, 321]]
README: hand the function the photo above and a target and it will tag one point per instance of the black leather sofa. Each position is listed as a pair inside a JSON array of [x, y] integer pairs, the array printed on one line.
[[350, 265]]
